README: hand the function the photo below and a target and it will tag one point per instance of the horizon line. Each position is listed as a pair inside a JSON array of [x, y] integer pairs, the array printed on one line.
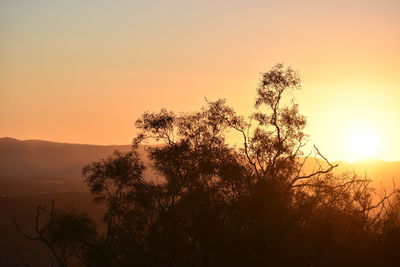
[[88, 144]]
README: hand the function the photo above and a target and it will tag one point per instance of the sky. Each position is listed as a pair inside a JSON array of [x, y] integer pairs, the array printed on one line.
[[84, 71]]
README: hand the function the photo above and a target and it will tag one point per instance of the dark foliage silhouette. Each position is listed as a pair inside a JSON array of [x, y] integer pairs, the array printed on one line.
[[68, 235], [218, 204]]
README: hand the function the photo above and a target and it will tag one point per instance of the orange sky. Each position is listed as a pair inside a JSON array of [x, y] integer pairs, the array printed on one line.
[[83, 71]]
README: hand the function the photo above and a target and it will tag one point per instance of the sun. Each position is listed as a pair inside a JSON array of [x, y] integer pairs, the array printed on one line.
[[362, 144]]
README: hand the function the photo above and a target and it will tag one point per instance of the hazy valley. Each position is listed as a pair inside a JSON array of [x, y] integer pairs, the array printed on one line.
[[35, 172]]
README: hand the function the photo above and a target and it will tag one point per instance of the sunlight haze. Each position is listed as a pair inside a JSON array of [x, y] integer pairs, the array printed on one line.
[[84, 71]]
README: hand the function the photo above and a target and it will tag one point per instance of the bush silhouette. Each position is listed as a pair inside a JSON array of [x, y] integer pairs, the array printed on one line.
[[220, 204]]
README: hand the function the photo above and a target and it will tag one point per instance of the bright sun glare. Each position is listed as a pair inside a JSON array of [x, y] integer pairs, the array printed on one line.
[[363, 144]]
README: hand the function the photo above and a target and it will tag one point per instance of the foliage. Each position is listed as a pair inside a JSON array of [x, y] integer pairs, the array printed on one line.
[[68, 235], [219, 204]]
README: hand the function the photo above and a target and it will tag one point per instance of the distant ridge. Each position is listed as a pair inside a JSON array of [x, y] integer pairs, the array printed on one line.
[[39, 158], [30, 158], [8, 140], [379, 171], [14, 140]]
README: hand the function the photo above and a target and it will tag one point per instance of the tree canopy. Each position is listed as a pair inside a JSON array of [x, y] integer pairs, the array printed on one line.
[[223, 204]]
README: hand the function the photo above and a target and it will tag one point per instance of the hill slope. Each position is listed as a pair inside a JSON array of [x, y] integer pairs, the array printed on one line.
[[63, 161], [35, 158]]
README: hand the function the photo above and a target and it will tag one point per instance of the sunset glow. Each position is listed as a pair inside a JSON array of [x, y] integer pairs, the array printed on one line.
[[84, 71], [363, 144], [199, 133]]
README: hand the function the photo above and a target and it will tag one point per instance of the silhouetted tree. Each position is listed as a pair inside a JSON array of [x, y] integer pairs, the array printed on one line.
[[68, 235], [113, 181], [223, 204]]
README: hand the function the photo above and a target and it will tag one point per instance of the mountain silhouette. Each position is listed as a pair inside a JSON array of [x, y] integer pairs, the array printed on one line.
[[37, 158]]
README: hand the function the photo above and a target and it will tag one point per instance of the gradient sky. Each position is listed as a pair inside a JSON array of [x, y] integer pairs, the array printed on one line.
[[83, 71]]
